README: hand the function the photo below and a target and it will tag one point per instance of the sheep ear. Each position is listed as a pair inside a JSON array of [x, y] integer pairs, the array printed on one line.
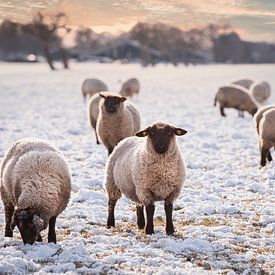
[[122, 99], [143, 133], [102, 95], [179, 131], [38, 223]]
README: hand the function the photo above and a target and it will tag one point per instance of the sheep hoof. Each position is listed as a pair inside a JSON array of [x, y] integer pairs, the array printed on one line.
[[110, 223], [39, 238], [170, 232], [149, 231], [8, 233]]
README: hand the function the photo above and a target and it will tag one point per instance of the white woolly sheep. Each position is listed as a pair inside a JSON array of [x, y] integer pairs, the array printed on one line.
[[267, 135], [246, 83], [117, 120], [35, 188], [130, 87], [92, 86], [235, 96], [261, 91], [146, 170]]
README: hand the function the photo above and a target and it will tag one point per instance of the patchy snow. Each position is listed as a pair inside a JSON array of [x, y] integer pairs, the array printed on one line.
[[225, 218]]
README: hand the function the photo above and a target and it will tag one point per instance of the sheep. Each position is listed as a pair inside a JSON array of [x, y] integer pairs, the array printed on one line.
[[146, 170], [234, 96], [246, 83], [117, 120], [130, 87], [92, 86], [257, 117], [35, 188], [261, 91], [267, 135]]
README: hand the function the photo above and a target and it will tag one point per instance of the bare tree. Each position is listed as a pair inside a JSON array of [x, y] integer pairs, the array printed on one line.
[[46, 28]]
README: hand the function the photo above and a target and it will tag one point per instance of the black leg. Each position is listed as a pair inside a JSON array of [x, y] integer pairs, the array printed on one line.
[[110, 150], [51, 234], [97, 141], [222, 111], [140, 217], [150, 209], [168, 207], [111, 213], [263, 156], [269, 157], [8, 217], [39, 238]]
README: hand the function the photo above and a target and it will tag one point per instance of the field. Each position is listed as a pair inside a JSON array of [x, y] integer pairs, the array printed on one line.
[[224, 218]]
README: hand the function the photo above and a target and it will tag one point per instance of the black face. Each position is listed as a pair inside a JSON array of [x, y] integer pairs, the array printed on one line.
[[112, 103], [161, 136], [23, 219]]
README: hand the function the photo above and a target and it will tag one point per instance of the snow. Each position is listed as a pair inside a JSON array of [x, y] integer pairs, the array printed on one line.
[[225, 216]]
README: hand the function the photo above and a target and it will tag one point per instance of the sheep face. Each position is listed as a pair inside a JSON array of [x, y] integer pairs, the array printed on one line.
[[161, 136], [29, 225], [112, 103]]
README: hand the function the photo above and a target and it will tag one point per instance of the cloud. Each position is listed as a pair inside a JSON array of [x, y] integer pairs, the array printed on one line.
[[116, 15]]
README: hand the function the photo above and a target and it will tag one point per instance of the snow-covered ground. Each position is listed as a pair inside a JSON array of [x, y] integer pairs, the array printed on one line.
[[224, 218]]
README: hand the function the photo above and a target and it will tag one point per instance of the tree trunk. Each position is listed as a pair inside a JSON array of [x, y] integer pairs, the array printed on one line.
[[48, 56]]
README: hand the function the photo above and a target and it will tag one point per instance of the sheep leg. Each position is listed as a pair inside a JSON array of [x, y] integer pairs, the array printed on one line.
[[222, 111], [263, 156], [39, 238], [140, 217], [269, 157], [9, 209], [168, 207], [51, 233], [150, 209], [111, 213], [96, 136]]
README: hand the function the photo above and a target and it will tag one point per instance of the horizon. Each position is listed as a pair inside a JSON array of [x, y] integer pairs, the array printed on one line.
[[253, 20]]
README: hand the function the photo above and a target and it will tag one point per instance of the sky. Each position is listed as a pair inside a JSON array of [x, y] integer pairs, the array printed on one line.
[[254, 20]]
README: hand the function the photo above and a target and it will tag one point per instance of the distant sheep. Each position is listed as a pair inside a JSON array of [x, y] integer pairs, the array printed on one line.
[[233, 96], [246, 83], [92, 86], [261, 91], [130, 87], [146, 170], [35, 188], [117, 120], [267, 135]]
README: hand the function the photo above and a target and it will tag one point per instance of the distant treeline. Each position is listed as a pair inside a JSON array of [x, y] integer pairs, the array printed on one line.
[[145, 43]]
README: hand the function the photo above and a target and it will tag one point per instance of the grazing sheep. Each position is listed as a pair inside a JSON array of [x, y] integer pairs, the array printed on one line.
[[267, 135], [246, 83], [117, 120], [261, 91], [234, 96], [146, 170], [92, 86], [130, 87], [35, 188]]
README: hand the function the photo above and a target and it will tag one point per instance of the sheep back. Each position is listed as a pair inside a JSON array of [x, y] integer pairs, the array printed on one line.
[[258, 116], [92, 86]]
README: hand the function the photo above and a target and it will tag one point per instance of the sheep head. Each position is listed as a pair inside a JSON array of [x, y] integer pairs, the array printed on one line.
[[28, 223], [160, 136], [112, 103]]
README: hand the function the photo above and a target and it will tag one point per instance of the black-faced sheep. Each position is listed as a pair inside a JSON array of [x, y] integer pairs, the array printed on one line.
[[35, 188], [117, 120], [146, 168]]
